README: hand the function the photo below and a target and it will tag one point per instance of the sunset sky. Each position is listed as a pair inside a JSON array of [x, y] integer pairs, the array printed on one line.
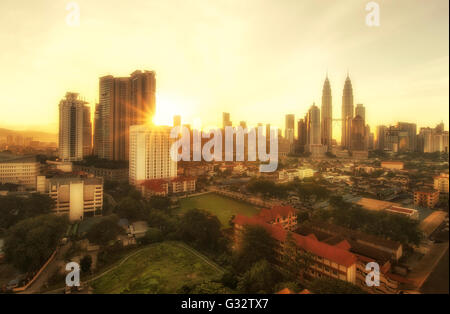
[[257, 59]]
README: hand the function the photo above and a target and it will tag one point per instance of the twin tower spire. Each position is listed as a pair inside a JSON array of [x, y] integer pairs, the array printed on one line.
[[327, 113]]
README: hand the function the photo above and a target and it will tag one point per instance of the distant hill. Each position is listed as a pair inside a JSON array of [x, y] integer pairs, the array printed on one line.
[[36, 135]]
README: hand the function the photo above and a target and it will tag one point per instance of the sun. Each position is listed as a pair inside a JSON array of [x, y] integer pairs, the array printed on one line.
[[167, 106]]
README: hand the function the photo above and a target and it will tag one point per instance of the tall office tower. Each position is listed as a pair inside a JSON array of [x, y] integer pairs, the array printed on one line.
[[347, 113], [226, 119], [358, 134], [411, 129], [360, 110], [367, 137], [289, 128], [74, 128], [381, 134], [124, 101], [301, 135], [314, 139], [176, 120], [327, 115], [150, 153], [87, 132], [371, 144]]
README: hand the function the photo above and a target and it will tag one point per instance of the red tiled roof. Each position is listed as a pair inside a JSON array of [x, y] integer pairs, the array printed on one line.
[[182, 179], [330, 252], [312, 236], [344, 245], [155, 185], [271, 214], [401, 209]]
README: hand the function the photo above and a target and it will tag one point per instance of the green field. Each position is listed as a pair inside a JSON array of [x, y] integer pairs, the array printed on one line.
[[218, 205], [161, 268]]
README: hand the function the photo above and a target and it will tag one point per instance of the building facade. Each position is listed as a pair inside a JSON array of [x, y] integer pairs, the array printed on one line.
[[327, 115], [150, 153], [347, 113], [77, 197], [123, 101], [20, 170], [75, 128]]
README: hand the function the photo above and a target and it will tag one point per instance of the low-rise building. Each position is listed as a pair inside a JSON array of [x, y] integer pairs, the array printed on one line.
[[392, 165], [20, 170], [76, 196], [327, 260], [168, 186], [284, 216], [390, 207], [441, 183], [110, 174], [426, 198]]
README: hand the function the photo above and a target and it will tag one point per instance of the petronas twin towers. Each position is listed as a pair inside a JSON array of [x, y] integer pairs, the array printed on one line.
[[327, 114]]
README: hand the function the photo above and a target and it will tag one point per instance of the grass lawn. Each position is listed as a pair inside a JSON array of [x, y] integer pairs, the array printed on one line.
[[218, 205], [161, 268]]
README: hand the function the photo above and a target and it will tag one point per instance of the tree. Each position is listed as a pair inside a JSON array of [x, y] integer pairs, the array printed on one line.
[[153, 235], [86, 263], [201, 229], [295, 260], [31, 241], [257, 244], [130, 208], [159, 202], [334, 286], [258, 279], [104, 231]]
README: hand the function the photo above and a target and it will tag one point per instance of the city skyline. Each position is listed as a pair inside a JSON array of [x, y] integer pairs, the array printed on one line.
[[199, 77]]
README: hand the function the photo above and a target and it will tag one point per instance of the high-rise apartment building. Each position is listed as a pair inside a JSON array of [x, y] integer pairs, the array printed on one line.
[[150, 153], [314, 140], [432, 140], [347, 113], [75, 128], [327, 115], [124, 101]]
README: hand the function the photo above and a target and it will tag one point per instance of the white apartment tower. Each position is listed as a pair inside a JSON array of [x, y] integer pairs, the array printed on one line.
[[149, 153]]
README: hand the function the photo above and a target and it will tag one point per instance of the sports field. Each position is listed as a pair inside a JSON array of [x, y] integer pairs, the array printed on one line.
[[218, 205], [161, 268]]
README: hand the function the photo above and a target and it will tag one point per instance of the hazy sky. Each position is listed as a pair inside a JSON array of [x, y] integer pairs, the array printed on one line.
[[257, 59]]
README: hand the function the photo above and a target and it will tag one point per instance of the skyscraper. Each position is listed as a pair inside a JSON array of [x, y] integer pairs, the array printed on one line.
[[226, 119], [289, 128], [124, 101], [381, 134], [301, 135], [75, 130], [358, 140], [150, 153], [314, 145], [176, 120], [360, 110], [347, 113], [411, 129], [327, 115]]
